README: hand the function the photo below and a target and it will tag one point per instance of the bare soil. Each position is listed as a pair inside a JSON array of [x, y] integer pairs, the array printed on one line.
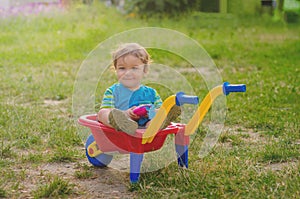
[[105, 182]]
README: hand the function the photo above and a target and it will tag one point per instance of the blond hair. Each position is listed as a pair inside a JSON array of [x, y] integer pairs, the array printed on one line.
[[134, 49]]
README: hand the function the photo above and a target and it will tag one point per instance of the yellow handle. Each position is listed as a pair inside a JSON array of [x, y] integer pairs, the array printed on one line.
[[197, 118], [192, 125], [159, 118]]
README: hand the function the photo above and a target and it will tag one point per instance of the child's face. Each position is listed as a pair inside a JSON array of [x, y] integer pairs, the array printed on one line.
[[130, 71]]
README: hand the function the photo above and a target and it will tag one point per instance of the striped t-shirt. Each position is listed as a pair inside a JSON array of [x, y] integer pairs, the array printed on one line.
[[120, 97]]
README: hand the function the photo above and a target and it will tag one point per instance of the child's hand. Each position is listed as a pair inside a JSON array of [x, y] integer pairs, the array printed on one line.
[[130, 113]]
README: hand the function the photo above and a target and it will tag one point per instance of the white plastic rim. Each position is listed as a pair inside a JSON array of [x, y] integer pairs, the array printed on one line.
[[95, 71]]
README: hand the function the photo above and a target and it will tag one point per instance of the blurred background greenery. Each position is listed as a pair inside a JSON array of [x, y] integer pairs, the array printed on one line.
[[287, 10]]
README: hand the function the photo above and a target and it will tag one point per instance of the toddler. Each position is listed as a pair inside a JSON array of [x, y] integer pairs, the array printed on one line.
[[131, 62]]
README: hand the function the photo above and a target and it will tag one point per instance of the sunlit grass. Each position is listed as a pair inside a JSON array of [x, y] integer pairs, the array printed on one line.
[[39, 59], [55, 189]]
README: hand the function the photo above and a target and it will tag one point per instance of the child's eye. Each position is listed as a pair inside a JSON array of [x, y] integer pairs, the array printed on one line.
[[121, 68]]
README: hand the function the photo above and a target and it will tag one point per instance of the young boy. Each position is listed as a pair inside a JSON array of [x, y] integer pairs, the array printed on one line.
[[131, 62]]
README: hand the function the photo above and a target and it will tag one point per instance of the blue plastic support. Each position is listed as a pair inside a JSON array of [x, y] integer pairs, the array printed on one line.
[[182, 155], [181, 99], [228, 88], [135, 166]]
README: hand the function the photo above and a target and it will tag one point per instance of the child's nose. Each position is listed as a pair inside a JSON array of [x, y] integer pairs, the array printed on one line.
[[128, 72]]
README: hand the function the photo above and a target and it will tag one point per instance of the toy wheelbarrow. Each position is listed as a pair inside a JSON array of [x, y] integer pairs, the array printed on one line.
[[105, 140]]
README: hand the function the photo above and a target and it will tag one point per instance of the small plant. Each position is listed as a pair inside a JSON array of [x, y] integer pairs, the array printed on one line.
[[281, 151], [233, 139], [5, 151], [63, 155], [2, 193], [57, 188], [84, 172]]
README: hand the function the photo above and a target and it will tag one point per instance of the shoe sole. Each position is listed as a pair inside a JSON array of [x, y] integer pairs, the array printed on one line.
[[173, 114], [121, 122]]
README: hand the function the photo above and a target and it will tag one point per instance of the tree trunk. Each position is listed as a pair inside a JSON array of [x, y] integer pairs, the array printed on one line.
[[280, 5], [279, 11]]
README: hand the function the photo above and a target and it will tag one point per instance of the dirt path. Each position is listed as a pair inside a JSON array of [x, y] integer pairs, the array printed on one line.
[[105, 182]]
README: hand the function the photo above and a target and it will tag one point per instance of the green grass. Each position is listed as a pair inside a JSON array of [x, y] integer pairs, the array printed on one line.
[[39, 60], [84, 172], [56, 188]]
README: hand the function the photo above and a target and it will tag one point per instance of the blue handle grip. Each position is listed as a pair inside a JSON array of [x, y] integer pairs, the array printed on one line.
[[181, 99], [228, 88]]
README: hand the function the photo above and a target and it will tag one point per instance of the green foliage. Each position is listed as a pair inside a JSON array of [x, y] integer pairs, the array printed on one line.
[[242, 8], [163, 7], [176, 8], [292, 16]]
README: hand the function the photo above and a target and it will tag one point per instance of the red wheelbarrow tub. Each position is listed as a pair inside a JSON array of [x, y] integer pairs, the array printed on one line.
[[110, 140]]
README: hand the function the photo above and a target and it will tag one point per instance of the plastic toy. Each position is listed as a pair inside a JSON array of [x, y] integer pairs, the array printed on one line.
[[105, 139], [142, 110]]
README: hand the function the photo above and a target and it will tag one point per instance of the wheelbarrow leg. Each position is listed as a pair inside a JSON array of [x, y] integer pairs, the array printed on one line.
[[182, 155], [135, 166], [182, 147]]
